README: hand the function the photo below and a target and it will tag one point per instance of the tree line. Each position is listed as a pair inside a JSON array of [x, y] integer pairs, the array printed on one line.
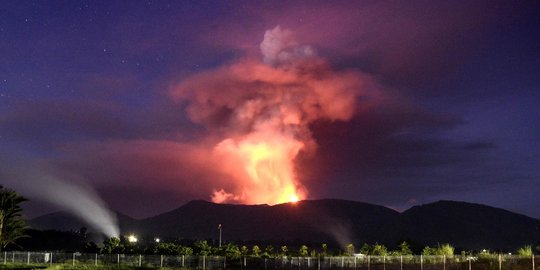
[[234, 251], [231, 250]]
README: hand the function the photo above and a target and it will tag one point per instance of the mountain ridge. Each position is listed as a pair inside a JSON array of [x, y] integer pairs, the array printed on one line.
[[466, 225]]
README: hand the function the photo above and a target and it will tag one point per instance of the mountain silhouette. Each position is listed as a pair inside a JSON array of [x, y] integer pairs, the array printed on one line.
[[468, 225], [66, 221], [464, 225]]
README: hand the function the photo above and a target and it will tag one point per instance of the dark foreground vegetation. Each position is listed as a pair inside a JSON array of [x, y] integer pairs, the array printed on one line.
[[47, 260], [23, 248]]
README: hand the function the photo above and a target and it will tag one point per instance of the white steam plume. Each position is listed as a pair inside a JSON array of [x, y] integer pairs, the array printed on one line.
[[76, 198]]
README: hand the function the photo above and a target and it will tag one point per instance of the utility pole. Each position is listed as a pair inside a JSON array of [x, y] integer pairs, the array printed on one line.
[[219, 228]]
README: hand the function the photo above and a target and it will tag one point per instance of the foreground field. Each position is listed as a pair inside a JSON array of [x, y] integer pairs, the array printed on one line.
[[77, 267], [61, 261]]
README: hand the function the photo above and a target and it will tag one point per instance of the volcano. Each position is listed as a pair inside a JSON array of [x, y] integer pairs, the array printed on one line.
[[338, 222]]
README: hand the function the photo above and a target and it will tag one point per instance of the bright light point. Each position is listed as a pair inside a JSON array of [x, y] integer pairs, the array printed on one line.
[[132, 239], [293, 198], [157, 240]]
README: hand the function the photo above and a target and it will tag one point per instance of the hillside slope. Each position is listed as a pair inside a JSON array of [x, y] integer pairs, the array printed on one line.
[[465, 225]]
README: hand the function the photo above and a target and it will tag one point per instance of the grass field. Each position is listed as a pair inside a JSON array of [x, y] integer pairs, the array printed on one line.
[[79, 267], [118, 261]]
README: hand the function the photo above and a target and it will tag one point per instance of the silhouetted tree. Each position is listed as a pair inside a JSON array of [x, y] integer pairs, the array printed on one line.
[[404, 249], [268, 251], [284, 251], [12, 226], [166, 249], [324, 249], [256, 251], [91, 247], [365, 249], [349, 250], [445, 249], [244, 250], [525, 251], [428, 251], [202, 248], [379, 250], [231, 251], [303, 251], [184, 250], [112, 245]]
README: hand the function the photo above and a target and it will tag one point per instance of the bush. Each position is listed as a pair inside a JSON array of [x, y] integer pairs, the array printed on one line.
[[379, 250], [303, 251], [445, 249], [525, 251], [349, 250], [202, 248]]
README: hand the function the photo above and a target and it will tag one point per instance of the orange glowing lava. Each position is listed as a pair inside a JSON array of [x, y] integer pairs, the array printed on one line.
[[265, 160], [260, 113], [293, 198]]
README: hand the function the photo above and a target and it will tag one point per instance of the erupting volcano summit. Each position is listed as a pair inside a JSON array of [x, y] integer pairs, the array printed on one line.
[[260, 114]]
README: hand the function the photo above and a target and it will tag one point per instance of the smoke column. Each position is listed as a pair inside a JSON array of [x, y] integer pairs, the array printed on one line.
[[259, 112], [74, 197]]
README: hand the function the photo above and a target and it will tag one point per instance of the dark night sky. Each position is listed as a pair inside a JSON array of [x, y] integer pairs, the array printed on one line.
[[85, 94]]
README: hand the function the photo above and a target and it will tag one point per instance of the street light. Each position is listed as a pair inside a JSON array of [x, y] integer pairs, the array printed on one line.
[[157, 240], [132, 238], [219, 228]]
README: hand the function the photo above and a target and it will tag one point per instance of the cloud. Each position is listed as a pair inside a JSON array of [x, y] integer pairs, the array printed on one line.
[[388, 144], [141, 177], [395, 152], [280, 47], [48, 123], [57, 120], [260, 114], [410, 45], [269, 130]]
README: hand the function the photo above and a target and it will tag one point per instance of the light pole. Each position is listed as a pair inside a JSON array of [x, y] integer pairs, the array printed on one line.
[[219, 228], [132, 238]]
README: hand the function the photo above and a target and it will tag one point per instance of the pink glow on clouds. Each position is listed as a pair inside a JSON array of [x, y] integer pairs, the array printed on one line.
[[261, 111], [394, 39]]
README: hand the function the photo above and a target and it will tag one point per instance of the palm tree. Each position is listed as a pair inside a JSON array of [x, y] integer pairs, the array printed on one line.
[[12, 226]]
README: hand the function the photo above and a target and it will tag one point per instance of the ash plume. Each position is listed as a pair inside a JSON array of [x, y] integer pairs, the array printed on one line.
[[258, 114]]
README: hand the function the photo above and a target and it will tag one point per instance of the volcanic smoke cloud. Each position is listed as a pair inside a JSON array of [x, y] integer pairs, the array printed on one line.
[[261, 111]]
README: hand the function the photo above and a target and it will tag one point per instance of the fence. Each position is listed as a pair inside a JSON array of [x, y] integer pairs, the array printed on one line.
[[457, 262]]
